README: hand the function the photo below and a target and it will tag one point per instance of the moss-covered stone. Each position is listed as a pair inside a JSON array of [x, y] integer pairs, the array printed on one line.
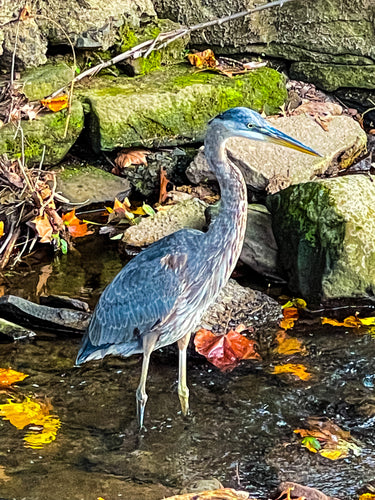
[[173, 53], [326, 236], [330, 77], [46, 131], [173, 106], [37, 83]]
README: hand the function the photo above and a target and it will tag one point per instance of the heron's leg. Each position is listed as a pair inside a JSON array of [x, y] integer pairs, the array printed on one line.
[[141, 396], [183, 391]]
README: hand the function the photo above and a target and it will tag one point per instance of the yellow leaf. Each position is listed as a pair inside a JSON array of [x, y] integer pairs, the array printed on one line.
[[46, 435], [288, 345], [298, 370], [56, 103], [1, 228], [205, 59], [367, 496], [9, 377], [367, 321], [298, 303], [333, 454], [349, 322], [290, 316]]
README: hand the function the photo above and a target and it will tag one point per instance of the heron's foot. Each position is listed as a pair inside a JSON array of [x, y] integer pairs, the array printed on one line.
[[141, 405], [183, 394]]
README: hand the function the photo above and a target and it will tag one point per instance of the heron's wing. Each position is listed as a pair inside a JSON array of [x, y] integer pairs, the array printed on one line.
[[141, 295]]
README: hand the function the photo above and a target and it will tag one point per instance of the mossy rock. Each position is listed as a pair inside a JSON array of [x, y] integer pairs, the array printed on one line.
[[331, 77], [46, 131], [173, 106], [173, 53], [37, 83], [325, 232]]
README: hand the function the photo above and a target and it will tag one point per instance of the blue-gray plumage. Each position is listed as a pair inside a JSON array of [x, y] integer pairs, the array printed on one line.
[[160, 296]]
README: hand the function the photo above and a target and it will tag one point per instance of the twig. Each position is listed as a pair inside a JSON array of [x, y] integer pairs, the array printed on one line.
[[163, 39], [8, 251]]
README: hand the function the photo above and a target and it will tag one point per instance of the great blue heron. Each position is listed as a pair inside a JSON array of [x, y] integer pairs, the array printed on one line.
[[159, 297]]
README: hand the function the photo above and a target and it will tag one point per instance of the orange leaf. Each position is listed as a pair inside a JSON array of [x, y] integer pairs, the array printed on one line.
[[163, 185], [56, 103], [76, 227], [298, 370], [349, 322], [205, 59], [43, 228], [9, 377], [290, 317], [225, 351], [288, 345], [129, 157]]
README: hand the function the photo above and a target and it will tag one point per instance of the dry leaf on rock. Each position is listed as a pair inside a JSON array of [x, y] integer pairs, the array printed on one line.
[[128, 157], [56, 103], [205, 59], [295, 491]]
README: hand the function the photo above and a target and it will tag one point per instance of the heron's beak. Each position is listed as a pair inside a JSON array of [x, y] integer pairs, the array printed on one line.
[[277, 137]]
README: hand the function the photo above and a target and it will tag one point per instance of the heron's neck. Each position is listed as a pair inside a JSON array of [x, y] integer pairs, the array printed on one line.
[[228, 227]]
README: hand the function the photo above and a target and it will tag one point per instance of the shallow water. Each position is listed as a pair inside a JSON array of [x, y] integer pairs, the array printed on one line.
[[240, 430]]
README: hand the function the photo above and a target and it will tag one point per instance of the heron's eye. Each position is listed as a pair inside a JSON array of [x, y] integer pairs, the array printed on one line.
[[250, 125]]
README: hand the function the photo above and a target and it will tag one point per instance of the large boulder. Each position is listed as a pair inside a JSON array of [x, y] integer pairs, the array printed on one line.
[[171, 107], [92, 24], [325, 231], [338, 35], [273, 167]]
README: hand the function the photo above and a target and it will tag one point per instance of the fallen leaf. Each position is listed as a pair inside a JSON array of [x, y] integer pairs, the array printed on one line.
[[225, 351], [9, 377], [163, 186], [128, 157], [350, 322], [1, 228], [298, 303], [290, 316], [35, 415], [311, 443], [205, 59], [288, 345], [3, 476], [44, 273], [76, 227], [300, 492], [43, 228], [367, 496], [298, 370], [56, 103]]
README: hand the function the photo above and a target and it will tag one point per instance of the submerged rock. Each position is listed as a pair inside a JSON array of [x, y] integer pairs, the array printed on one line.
[[87, 184], [326, 236], [172, 106], [13, 331], [275, 167], [187, 214]]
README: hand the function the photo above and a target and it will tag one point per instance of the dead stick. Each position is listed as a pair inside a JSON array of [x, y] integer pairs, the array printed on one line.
[[8, 251], [163, 40]]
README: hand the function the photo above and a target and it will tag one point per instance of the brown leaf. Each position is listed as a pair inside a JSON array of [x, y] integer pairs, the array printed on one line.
[[25, 13], [43, 228], [128, 157], [163, 185], [225, 351], [298, 491]]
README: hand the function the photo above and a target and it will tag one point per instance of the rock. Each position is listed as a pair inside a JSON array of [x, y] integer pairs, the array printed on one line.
[[13, 331], [91, 24], [326, 236], [259, 249], [172, 107], [27, 313], [220, 494], [267, 165], [37, 83], [298, 31], [237, 304], [63, 301], [187, 214], [86, 184], [46, 131], [298, 491]]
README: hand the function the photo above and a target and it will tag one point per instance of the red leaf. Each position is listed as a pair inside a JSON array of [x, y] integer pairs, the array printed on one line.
[[225, 351]]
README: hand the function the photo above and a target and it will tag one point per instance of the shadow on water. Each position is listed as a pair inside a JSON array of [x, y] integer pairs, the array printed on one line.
[[240, 430]]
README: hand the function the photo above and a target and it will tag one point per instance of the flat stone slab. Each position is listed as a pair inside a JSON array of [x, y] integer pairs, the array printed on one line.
[[325, 231], [83, 185], [275, 167], [172, 106]]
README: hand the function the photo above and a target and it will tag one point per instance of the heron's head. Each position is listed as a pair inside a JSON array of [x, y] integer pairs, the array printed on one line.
[[244, 122]]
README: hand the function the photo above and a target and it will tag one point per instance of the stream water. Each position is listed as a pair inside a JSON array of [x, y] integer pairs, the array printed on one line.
[[240, 430]]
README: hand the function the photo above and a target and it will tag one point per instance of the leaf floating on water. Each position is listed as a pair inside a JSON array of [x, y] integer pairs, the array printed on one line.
[[56, 103], [288, 345], [9, 377], [350, 322], [76, 227], [298, 370], [290, 316], [298, 303], [367, 496], [328, 440], [225, 351], [32, 413]]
